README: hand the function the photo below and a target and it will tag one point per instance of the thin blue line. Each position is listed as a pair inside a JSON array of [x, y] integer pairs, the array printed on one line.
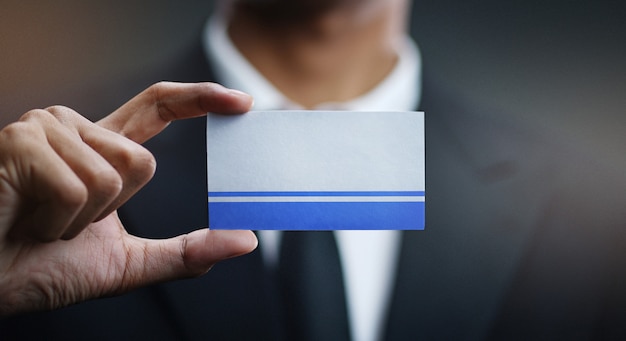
[[321, 194]]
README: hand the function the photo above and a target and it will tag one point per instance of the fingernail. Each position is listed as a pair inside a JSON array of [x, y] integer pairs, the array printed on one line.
[[242, 95], [238, 93]]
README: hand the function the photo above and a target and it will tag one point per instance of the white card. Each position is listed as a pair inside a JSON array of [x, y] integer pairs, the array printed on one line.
[[316, 170]]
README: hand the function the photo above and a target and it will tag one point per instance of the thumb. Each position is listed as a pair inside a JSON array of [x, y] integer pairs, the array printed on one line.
[[188, 255]]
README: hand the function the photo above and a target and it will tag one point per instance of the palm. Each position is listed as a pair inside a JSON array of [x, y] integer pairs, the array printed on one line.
[[93, 264]]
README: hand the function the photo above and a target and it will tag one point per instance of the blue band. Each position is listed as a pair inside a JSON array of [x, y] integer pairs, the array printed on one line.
[[317, 215]]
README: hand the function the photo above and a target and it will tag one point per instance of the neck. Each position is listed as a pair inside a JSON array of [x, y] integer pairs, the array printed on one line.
[[337, 55]]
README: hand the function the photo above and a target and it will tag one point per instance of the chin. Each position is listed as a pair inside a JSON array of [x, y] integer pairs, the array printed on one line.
[[296, 10]]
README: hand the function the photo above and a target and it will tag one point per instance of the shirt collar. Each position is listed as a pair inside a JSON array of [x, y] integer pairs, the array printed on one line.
[[400, 90]]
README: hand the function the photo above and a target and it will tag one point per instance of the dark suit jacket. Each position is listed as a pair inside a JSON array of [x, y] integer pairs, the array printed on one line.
[[524, 240]]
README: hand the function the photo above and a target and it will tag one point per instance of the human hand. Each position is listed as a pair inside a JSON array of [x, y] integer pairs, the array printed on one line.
[[62, 179]]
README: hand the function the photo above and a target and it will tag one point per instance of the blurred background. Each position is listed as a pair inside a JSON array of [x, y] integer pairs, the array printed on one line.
[[559, 64]]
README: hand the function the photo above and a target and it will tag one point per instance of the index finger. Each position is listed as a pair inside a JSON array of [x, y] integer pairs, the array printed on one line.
[[152, 110]]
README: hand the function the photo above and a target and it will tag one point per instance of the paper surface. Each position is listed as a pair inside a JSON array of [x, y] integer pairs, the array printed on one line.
[[316, 170]]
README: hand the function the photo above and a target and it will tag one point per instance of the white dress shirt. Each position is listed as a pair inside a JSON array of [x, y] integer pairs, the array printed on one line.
[[368, 258]]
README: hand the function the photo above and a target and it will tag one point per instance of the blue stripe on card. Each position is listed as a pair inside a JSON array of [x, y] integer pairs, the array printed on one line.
[[317, 193], [317, 215]]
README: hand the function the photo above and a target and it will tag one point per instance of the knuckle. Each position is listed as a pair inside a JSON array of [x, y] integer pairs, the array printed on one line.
[[156, 92], [144, 164], [36, 115], [19, 137], [73, 196], [16, 129], [106, 183], [62, 113], [58, 110], [159, 86], [51, 115], [137, 162]]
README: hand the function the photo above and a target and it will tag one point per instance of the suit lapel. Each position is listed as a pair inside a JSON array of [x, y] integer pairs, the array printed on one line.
[[452, 276]]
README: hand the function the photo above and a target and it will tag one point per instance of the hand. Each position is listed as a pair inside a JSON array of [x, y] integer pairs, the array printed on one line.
[[62, 179]]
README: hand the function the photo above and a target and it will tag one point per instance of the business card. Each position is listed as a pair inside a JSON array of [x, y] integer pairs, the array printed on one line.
[[316, 170]]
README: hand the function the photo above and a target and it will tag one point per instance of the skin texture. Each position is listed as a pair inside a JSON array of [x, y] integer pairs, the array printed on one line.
[[62, 178], [319, 51]]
